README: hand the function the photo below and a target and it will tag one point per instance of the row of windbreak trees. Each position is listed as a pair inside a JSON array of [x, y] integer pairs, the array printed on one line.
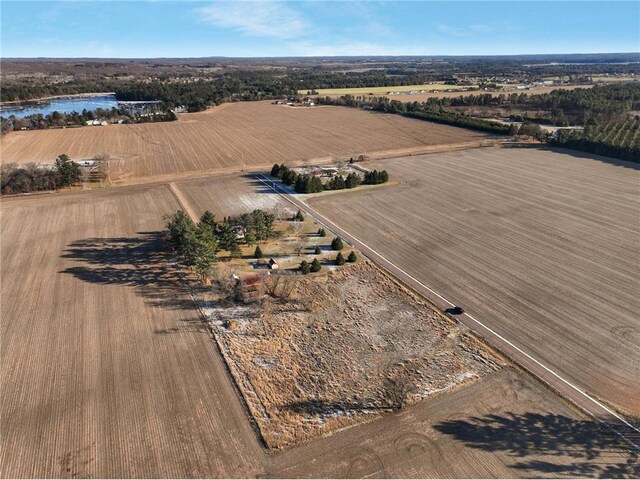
[[198, 245], [15, 179], [615, 139], [313, 184], [419, 111]]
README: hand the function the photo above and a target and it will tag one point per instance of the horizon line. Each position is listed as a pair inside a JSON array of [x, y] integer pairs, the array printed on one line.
[[2, 58]]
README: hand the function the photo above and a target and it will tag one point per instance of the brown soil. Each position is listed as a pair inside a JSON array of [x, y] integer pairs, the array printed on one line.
[[231, 138], [107, 371], [308, 373], [539, 245]]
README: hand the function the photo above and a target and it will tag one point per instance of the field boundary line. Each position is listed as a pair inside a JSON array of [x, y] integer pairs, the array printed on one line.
[[182, 202], [286, 194]]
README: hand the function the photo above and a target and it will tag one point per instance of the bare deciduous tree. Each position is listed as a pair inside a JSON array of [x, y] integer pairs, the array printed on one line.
[[282, 286], [297, 226], [298, 247], [224, 281], [282, 213]]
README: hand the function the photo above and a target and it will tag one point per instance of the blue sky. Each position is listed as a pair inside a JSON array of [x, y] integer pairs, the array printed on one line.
[[160, 28]]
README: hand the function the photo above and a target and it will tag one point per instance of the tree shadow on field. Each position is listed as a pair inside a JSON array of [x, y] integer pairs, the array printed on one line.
[[260, 187], [141, 262], [318, 407], [593, 450], [594, 157]]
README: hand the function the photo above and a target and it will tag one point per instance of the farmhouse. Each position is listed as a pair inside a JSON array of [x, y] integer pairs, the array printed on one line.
[[326, 172], [238, 231]]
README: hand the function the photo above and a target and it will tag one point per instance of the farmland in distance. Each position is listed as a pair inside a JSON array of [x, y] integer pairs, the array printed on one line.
[[233, 137]]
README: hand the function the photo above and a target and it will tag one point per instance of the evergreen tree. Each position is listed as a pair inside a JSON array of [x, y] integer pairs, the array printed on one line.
[[305, 267], [352, 257], [317, 251], [258, 252], [226, 236], [322, 232], [289, 177], [337, 244], [208, 219], [250, 237], [69, 171], [315, 265], [301, 184], [179, 229], [299, 216], [353, 180], [236, 252], [201, 253], [315, 185], [340, 259], [275, 171]]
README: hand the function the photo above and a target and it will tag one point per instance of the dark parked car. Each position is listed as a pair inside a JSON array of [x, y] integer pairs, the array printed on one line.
[[454, 310]]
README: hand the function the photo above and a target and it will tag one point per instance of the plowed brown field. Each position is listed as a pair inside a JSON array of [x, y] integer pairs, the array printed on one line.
[[107, 371], [232, 137], [541, 246], [106, 368]]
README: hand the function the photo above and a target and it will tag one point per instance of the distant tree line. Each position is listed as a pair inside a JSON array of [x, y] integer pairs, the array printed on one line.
[[305, 183], [32, 177], [21, 90], [198, 95], [196, 89], [580, 106], [416, 72], [60, 119]]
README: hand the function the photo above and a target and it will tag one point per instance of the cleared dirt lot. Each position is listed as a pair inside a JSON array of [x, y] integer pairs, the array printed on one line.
[[541, 246], [106, 369], [232, 137], [107, 372]]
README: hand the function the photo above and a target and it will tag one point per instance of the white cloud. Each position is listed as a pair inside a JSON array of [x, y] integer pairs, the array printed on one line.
[[480, 28], [451, 30], [257, 19], [351, 49]]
